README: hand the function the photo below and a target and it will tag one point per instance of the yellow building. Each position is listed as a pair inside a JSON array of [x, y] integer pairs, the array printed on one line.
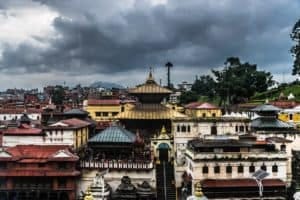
[[202, 110], [290, 115], [106, 109]]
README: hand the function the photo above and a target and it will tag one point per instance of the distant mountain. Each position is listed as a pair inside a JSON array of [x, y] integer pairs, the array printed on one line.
[[106, 85]]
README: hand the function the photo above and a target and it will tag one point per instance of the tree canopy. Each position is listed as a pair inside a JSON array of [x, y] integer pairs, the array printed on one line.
[[295, 50], [235, 83]]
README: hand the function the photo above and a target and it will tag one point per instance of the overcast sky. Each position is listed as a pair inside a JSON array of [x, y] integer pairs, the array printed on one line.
[[82, 41]]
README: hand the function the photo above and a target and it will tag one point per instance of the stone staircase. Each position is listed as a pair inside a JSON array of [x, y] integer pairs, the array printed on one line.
[[165, 181]]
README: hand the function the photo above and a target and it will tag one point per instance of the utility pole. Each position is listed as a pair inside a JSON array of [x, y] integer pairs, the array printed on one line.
[[169, 65]]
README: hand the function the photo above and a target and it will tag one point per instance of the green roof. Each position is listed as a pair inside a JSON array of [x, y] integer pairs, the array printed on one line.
[[114, 134], [266, 108], [270, 123]]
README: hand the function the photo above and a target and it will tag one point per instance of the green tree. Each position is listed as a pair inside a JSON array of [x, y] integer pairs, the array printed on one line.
[[187, 97], [295, 50], [205, 86], [237, 82], [58, 95]]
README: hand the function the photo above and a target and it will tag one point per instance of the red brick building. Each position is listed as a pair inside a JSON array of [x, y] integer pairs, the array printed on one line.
[[38, 172]]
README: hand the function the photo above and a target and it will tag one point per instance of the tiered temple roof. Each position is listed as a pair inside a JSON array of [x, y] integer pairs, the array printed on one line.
[[150, 87]]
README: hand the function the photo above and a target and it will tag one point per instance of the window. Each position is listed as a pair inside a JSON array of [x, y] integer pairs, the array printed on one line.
[[283, 147], [38, 118], [228, 169], [241, 128], [105, 114], [247, 128], [236, 129], [240, 169], [4, 118], [203, 114], [213, 130], [217, 169], [183, 128], [122, 109], [178, 128], [252, 169], [2, 182], [275, 168], [62, 166], [188, 128], [3, 165], [205, 170], [98, 114], [114, 113], [62, 183], [291, 116], [263, 167], [41, 165], [213, 115]]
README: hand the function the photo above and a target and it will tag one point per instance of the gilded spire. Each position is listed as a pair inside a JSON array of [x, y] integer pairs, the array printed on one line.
[[150, 78], [163, 130]]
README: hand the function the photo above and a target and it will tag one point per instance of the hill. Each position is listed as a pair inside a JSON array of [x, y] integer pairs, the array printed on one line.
[[274, 93]]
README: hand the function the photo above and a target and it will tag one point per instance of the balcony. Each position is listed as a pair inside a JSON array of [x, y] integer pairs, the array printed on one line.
[[127, 165], [236, 155]]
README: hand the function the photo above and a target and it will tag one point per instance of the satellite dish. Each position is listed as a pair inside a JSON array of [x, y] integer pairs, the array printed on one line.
[[297, 196]]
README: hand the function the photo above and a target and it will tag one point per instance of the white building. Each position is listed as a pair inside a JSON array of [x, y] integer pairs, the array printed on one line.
[[16, 113], [226, 164]]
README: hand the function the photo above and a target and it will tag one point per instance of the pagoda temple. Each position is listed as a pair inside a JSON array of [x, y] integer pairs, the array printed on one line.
[[149, 115]]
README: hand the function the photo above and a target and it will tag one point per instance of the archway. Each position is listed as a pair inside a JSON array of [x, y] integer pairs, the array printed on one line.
[[163, 149]]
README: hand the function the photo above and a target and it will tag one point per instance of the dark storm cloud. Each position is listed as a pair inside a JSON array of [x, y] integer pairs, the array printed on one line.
[[104, 37]]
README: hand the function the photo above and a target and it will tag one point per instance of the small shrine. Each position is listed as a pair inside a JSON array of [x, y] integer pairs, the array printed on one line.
[[126, 190], [198, 194], [99, 189], [145, 192]]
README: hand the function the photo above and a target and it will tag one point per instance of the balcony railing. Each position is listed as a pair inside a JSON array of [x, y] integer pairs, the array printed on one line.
[[140, 165], [236, 155]]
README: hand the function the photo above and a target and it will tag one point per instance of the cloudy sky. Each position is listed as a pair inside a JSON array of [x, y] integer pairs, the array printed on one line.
[[81, 41]]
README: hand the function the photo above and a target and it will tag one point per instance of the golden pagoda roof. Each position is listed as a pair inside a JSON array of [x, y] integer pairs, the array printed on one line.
[[150, 111], [150, 87]]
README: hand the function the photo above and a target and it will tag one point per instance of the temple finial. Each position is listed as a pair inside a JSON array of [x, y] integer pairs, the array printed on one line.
[[150, 78]]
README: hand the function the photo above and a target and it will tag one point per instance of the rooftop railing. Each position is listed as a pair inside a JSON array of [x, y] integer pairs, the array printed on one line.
[[117, 164]]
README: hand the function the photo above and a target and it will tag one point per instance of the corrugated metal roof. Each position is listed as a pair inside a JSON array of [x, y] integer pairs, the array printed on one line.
[[272, 122], [266, 107], [114, 134], [76, 111]]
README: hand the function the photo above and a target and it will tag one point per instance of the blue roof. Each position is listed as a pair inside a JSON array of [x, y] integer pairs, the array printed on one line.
[[114, 134]]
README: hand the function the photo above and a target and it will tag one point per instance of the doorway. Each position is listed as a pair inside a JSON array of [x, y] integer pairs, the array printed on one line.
[[163, 152]]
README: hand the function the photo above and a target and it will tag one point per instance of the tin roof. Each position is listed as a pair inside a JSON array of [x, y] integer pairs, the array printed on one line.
[[96, 102], [23, 129], [76, 111], [200, 106], [270, 122], [266, 108], [114, 134]]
